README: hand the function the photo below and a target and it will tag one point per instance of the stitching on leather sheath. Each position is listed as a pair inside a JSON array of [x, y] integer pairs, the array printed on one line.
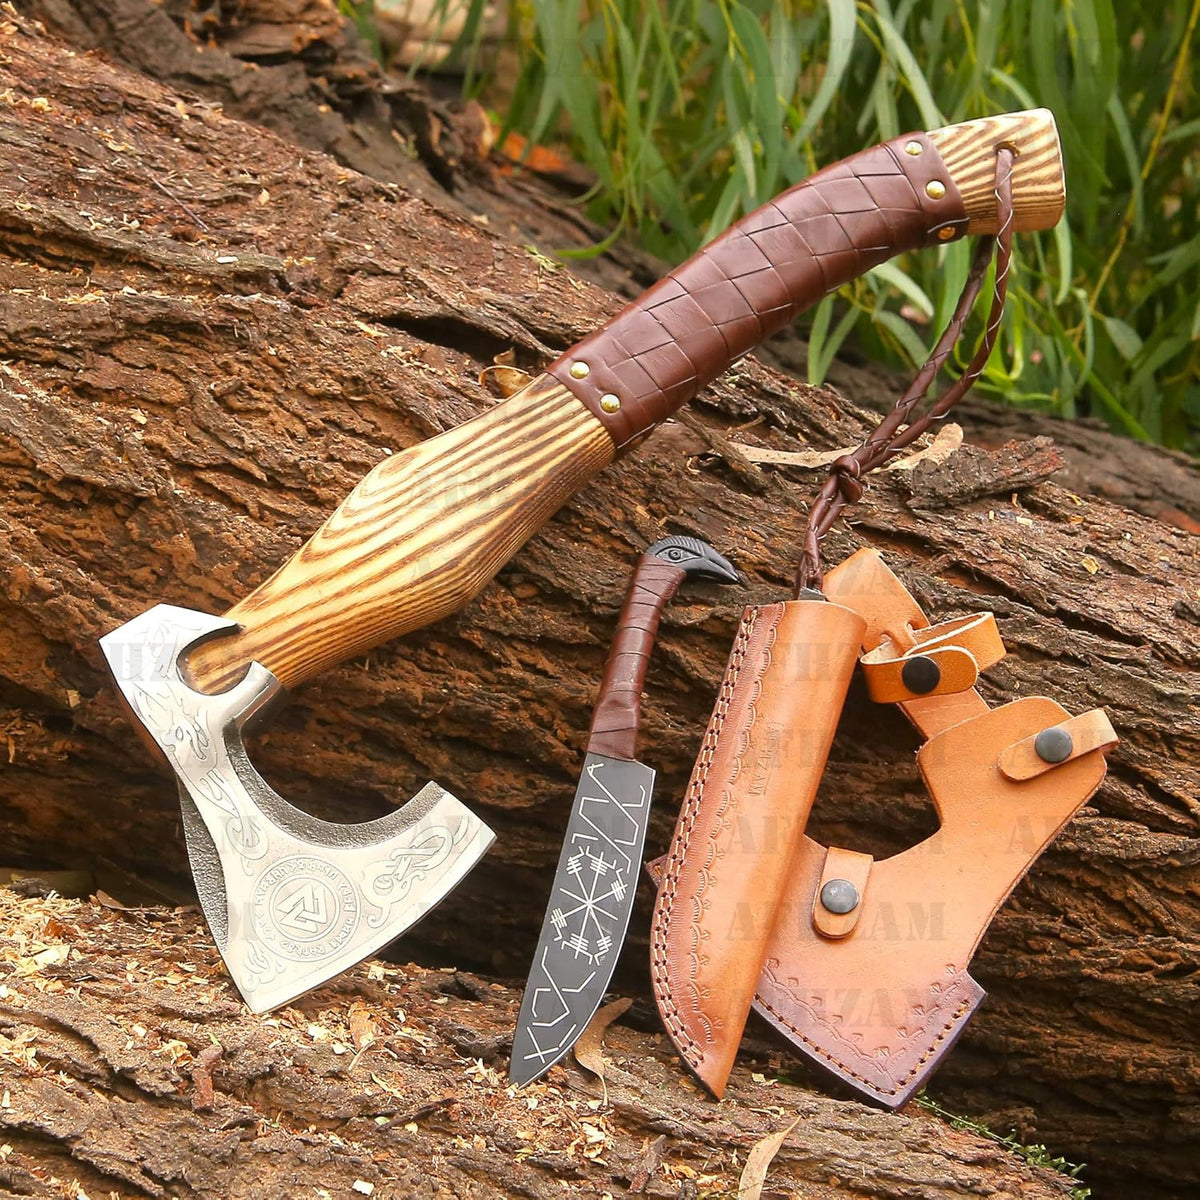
[[841, 1067], [707, 876], [687, 818]]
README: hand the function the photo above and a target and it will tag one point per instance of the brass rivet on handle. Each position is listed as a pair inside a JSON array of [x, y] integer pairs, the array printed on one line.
[[580, 370], [946, 232], [913, 148], [935, 190], [610, 402]]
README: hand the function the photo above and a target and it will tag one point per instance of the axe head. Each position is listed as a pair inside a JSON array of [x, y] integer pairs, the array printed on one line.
[[291, 900]]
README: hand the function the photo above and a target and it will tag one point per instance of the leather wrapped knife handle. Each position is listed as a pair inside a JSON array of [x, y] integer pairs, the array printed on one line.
[[617, 714], [427, 529]]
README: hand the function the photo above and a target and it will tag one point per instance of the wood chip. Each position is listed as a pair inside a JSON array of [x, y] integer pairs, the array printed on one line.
[[810, 459], [362, 1026], [758, 1162], [589, 1048], [949, 438], [648, 1167], [502, 380], [204, 1095]]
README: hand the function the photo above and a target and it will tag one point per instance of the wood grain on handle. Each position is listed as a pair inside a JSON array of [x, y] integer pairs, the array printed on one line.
[[1038, 184], [422, 533], [618, 710]]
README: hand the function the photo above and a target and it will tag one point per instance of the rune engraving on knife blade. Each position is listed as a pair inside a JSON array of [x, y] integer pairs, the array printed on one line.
[[601, 868], [592, 899]]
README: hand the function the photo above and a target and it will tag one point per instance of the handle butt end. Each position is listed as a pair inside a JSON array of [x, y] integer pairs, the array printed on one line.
[[1039, 183]]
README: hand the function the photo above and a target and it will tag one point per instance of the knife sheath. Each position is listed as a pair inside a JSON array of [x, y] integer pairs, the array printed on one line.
[[743, 819], [876, 989]]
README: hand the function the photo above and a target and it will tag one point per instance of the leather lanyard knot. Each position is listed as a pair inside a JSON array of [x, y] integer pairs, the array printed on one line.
[[897, 430], [847, 470]]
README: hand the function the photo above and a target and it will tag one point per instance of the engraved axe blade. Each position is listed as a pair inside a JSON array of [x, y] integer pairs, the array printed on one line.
[[291, 900]]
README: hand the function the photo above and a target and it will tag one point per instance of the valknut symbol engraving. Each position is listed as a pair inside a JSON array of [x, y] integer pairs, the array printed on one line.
[[305, 907], [305, 911]]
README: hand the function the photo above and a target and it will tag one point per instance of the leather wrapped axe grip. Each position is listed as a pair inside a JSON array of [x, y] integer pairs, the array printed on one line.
[[742, 820], [661, 349]]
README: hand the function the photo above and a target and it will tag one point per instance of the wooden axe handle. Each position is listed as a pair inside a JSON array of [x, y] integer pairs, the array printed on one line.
[[428, 528], [420, 535]]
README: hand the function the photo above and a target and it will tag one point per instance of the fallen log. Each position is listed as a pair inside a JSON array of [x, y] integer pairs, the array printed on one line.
[[206, 338], [129, 1069]]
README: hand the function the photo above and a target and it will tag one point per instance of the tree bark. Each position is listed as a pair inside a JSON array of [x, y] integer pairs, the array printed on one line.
[[208, 337], [129, 1069]]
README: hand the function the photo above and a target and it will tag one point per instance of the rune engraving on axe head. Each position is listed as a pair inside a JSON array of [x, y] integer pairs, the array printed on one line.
[[291, 900]]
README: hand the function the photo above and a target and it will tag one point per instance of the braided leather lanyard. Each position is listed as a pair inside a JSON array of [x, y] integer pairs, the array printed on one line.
[[897, 430]]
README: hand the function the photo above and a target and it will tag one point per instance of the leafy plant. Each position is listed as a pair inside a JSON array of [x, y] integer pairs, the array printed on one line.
[[362, 14], [692, 112]]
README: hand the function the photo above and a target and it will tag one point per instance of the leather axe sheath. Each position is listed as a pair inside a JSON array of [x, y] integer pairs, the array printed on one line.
[[875, 990], [742, 821], [865, 967]]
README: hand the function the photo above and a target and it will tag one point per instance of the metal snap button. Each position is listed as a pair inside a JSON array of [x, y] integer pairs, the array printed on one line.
[[839, 896]]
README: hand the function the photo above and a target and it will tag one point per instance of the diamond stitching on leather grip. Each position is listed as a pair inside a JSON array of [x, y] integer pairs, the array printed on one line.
[[747, 284]]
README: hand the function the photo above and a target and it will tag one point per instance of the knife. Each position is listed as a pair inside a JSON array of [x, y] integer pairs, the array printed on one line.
[[594, 886]]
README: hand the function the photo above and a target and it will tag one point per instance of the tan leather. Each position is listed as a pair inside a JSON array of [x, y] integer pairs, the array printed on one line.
[[955, 670], [977, 633], [864, 583], [742, 818], [879, 1007], [958, 651], [878, 1000], [1089, 731]]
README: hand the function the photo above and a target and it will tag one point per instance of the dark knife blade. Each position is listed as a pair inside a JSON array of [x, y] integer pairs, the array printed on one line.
[[588, 912], [594, 886]]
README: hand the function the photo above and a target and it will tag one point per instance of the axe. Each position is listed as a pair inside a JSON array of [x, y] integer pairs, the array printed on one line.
[[292, 900]]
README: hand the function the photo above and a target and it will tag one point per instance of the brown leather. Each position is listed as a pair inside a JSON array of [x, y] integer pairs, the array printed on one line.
[[902, 426], [958, 650], [1089, 731], [618, 710], [742, 818], [660, 350]]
